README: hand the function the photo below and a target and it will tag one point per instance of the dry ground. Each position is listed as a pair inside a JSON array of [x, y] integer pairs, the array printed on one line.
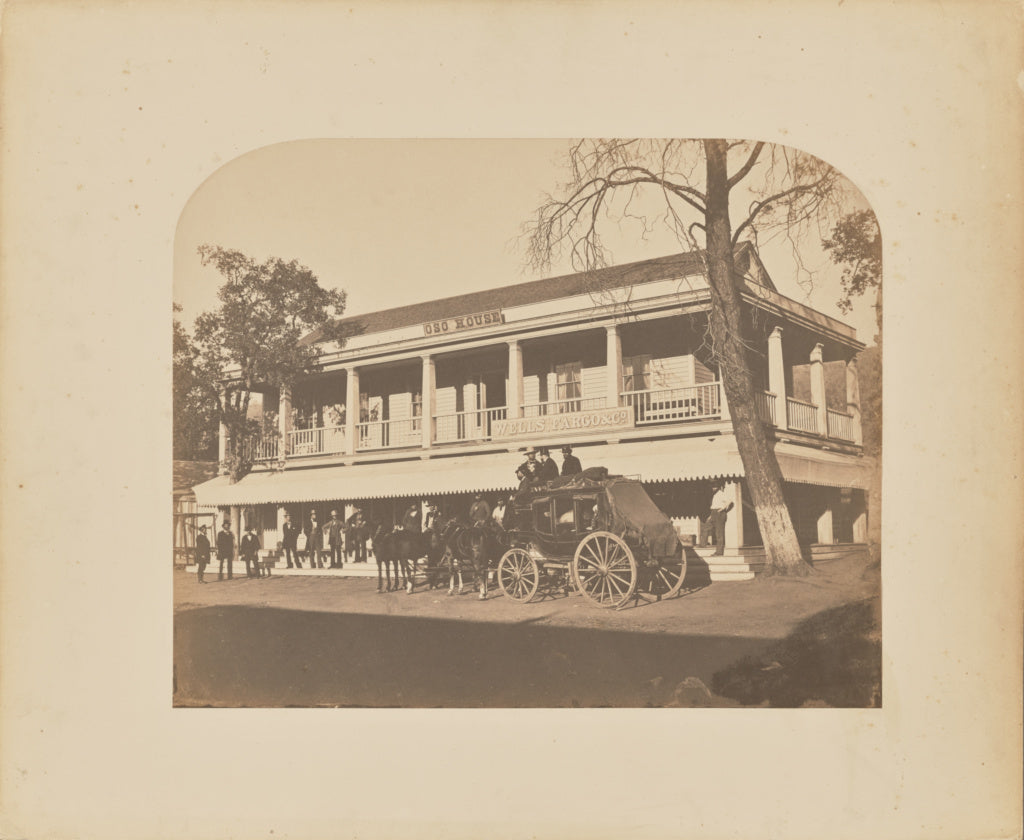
[[305, 641]]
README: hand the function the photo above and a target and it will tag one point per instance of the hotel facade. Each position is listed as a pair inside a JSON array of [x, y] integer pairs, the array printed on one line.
[[437, 401]]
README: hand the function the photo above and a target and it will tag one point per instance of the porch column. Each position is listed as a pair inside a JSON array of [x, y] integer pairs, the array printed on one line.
[[236, 532], [515, 379], [279, 539], [853, 399], [777, 378], [825, 532], [613, 361], [284, 421], [818, 387], [428, 386], [351, 409], [222, 439], [723, 401], [860, 520], [734, 519]]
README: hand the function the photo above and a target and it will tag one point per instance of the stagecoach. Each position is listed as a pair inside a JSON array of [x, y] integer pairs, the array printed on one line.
[[599, 534]]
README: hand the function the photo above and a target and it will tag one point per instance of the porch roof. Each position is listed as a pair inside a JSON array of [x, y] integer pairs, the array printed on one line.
[[657, 461]]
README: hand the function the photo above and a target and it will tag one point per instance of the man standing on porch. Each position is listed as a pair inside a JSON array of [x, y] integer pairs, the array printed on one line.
[[289, 541], [720, 507], [225, 549], [335, 528], [202, 552]]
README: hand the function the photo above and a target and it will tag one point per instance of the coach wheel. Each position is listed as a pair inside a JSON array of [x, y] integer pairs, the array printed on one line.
[[666, 578], [518, 575], [604, 569]]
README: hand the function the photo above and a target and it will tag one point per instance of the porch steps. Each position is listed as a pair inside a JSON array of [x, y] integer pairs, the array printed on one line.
[[730, 566]]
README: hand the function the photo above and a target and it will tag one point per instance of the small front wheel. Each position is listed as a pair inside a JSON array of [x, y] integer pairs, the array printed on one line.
[[518, 575]]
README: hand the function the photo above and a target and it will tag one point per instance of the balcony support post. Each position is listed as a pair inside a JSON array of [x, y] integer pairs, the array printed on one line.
[[222, 438], [853, 399], [284, 421], [428, 387], [515, 379], [613, 361], [351, 409], [818, 388], [777, 378]]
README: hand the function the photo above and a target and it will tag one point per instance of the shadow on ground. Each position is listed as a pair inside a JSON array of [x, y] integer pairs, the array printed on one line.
[[245, 656], [833, 658]]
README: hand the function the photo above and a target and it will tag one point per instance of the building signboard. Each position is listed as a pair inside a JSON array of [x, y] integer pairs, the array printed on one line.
[[599, 420], [464, 322]]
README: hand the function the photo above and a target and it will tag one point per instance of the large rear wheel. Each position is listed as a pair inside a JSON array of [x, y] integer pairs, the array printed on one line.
[[604, 569], [518, 575], [666, 577]]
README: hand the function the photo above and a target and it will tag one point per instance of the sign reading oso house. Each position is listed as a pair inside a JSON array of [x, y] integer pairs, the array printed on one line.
[[599, 420], [464, 322]]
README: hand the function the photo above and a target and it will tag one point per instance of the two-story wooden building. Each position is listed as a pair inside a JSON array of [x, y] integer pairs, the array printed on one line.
[[438, 400]]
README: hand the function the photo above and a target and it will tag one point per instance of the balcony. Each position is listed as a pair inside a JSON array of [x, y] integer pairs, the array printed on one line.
[[653, 407]]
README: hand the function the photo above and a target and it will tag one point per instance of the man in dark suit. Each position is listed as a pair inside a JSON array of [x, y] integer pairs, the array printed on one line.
[[357, 528], [335, 538], [548, 469], [202, 552], [289, 541], [570, 463], [315, 542], [249, 549], [225, 549]]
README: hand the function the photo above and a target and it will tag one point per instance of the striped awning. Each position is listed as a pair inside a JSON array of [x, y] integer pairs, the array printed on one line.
[[690, 459]]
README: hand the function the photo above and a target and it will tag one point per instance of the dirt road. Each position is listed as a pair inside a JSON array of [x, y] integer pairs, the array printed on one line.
[[336, 642]]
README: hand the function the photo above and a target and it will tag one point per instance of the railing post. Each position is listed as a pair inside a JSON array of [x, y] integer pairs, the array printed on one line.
[[853, 400], [515, 379], [428, 384], [613, 360], [777, 376], [351, 409], [818, 387], [284, 421], [723, 401]]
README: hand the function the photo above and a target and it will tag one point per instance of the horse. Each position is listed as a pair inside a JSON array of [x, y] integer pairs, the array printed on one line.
[[400, 549], [480, 545]]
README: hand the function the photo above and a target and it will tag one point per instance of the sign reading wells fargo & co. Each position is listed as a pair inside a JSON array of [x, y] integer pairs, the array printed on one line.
[[599, 420], [464, 322]]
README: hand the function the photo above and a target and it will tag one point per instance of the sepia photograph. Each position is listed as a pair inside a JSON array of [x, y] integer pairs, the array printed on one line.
[[604, 431]]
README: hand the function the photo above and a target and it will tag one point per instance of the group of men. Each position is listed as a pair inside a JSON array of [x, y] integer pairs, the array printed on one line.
[[539, 467], [248, 550], [343, 540]]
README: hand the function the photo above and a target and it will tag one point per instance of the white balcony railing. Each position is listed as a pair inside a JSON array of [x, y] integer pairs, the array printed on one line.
[[467, 425], [389, 434], [840, 425], [765, 402], [695, 402], [261, 449], [570, 406], [328, 440], [803, 416]]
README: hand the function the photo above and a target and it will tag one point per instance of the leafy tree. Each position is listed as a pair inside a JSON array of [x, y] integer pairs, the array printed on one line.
[[856, 244], [255, 339], [692, 188], [195, 417]]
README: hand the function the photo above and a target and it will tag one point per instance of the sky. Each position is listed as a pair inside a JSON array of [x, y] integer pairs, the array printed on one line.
[[394, 222]]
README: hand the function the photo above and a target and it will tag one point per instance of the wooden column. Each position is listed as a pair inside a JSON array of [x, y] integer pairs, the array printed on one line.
[[818, 387], [284, 421], [734, 520], [222, 440], [351, 409], [777, 377], [825, 532], [236, 532], [428, 386], [515, 379], [613, 360], [853, 399]]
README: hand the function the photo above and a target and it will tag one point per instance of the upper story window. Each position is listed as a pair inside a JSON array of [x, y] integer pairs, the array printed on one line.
[[569, 385], [636, 373]]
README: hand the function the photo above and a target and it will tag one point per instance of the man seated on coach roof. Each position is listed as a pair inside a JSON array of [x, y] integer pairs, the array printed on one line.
[[548, 469], [570, 463]]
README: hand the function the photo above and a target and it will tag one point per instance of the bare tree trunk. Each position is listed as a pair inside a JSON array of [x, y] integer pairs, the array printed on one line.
[[764, 478]]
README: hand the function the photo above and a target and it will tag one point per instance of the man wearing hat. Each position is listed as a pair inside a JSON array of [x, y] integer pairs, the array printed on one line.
[[480, 512], [290, 541], [335, 529], [225, 549], [249, 548], [548, 469], [202, 552], [715, 523], [411, 520], [570, 463], [355, 535]]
